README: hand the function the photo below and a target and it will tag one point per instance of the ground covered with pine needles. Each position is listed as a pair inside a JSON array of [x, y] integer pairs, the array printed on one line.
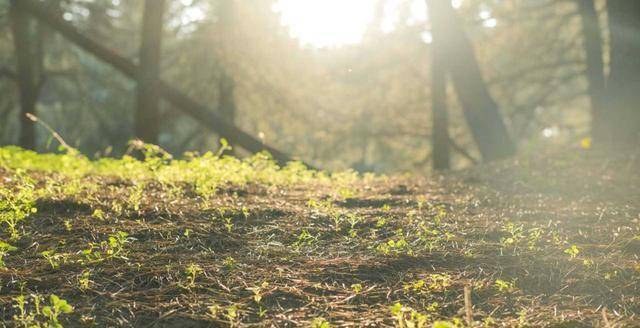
[[207, 241]]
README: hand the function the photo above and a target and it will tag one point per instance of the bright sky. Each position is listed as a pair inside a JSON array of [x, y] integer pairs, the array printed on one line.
[[324, 23], [327, 23]]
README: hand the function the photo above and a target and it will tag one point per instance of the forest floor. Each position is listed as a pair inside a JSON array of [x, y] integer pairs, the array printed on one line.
[[542, 241]]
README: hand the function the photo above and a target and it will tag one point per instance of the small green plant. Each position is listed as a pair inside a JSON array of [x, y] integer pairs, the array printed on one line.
[[534, 237], [258, 291], [356, 288], [433, 307], [229, 262], [116, 244], [214, 310], [136, 194], [98, 214], [320, 322], [407, 317], [113, 247], [304, 239], [231, 312], [504, 286], [515, 235], [5, 248], [16, 205], [456, 323], [192, 271], [54, 258], [573, 251], [47, 316], [439, 281], [25, 317], [84, 280], [346, 193], [57, 307], [228, 224], [415, 285], [394, 247], [68, 225]]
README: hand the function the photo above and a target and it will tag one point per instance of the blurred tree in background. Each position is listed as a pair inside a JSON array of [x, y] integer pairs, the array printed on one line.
[[365, 105]]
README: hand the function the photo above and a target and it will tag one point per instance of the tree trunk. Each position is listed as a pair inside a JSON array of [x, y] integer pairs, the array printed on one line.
[[227, 102], [623, 85], [480, 110], [440, 135], [595, 66], [147, 119], [26, 74]]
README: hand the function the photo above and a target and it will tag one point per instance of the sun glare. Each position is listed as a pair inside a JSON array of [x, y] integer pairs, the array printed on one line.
[[325, 23], [332, 23]]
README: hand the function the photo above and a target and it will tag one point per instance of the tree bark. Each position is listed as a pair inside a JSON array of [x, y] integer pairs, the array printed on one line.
[[595, 66], [440, 136], [480, 109], [227, 102], [623, 85], [147, 119], [26, 73]]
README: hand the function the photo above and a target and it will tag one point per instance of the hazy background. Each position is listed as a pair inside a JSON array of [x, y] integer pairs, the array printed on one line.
[[337, 83]]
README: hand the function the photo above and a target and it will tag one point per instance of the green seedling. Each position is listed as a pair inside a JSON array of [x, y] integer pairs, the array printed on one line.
[[84, 280], [320, 322], [57, 307], [258, 291], [5, 248], [504, 286], [406, 317], [192, 271], [573, 251], [54, 258], [356, 288], [16, 205], [47, 316]]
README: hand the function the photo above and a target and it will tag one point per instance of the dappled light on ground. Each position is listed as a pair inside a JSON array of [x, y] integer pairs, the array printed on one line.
[[536, 240]]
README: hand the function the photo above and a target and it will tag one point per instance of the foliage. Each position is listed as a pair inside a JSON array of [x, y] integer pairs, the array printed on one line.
[[47, 316], [17, 204]]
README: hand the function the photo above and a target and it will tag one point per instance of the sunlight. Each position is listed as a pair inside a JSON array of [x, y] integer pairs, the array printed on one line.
[[331, 23], [324, 23]]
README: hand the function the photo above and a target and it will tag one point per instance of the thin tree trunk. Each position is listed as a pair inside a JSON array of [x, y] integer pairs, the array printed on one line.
[[227, 102], [147, 120], [227, 98], [27, 83], [623, 85], [595, 66], [440, 135], [480, 109]]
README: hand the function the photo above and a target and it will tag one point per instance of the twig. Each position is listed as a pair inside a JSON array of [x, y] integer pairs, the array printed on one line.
[[604, 318], [55, 134], [468, 306]]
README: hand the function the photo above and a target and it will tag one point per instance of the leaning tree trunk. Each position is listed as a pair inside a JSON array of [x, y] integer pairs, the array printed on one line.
[[480, 109], [623, 85], [440, 132], [26, 74], [147, 118], [227, 102], [595, 66]]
